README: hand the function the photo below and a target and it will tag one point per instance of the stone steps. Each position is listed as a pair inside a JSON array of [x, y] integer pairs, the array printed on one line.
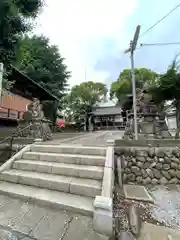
[[81, 171], [74, 172], [92, 160], [69, 149], [65, 201], [79, 186]]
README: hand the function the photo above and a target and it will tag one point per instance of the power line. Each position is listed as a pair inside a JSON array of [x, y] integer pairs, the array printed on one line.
[[155, 24], [159, 44], [172, 10]]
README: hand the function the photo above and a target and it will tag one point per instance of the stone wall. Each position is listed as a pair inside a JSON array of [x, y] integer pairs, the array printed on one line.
[[150, 165]]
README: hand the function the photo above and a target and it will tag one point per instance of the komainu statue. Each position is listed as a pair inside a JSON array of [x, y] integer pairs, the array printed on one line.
[[151, 124], [34, 116]]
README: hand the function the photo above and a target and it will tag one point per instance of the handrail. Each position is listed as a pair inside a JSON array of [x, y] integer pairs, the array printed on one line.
[[14, 134]]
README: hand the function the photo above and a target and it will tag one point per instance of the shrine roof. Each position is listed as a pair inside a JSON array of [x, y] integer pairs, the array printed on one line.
[[27, 87], [102, 111]]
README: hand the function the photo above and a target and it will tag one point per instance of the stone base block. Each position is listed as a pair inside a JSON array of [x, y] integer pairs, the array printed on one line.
[[103, 216], [38, 140], [147, 127]]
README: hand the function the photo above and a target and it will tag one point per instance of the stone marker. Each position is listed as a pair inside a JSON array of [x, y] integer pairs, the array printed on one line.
[[134, 220], [137, 193], [125, 235]]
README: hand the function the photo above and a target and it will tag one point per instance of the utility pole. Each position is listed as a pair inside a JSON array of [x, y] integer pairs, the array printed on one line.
[[131, 49], [1, 79]]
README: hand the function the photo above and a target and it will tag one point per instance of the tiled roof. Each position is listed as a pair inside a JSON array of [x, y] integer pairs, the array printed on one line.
[[106, 111]]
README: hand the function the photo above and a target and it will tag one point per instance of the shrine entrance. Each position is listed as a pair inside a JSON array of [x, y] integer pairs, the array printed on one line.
[[107, 118]]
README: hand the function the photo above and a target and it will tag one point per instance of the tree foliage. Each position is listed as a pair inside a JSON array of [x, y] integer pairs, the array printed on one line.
[[121, 88], [43, 63], [168, 85], [15, 19], [33, 55], [168, 88], [84, 96]]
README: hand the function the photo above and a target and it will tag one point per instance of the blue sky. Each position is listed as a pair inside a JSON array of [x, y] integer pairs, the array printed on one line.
[[92, 35]]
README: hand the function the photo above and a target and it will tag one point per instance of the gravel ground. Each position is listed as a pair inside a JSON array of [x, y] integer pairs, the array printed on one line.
[[164, 212], [120, 207]]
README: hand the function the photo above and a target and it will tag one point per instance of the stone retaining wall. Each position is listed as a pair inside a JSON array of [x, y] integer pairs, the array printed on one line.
[[150, 165]]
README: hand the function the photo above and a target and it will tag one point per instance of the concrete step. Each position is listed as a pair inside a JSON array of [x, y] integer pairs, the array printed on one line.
[[66, 158], [79, 186], [69, 149], [61, 200], [82, 171]]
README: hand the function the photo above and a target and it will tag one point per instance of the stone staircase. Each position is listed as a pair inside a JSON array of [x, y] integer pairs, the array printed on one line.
[[69, 177]]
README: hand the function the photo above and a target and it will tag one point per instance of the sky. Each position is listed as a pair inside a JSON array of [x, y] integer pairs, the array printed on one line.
[[92, 35]]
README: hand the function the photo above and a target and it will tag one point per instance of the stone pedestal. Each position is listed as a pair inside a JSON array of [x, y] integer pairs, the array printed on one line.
[[38, 140], [103, 209], [110, 143], [103, 216], [165, 134], [147, 127], [152, 123], [163, 129], [146, 136]]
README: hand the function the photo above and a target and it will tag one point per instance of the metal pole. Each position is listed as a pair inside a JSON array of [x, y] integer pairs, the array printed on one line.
[[1, 79], [131, 49], [134, 96]]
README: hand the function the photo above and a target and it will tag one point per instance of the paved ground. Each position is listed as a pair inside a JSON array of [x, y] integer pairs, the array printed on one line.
[[23, 220], [98, 138]]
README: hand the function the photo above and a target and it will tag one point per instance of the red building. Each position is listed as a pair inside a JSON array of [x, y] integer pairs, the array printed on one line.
[[13, 103]]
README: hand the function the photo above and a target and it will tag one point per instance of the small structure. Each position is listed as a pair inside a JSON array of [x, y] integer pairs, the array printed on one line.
[[105, 118]]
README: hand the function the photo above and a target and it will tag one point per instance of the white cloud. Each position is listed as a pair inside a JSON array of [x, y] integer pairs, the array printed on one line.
[[75, 26]]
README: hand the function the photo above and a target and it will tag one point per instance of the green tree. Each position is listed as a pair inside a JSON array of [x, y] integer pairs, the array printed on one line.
[[122, 87], [43, 63], [15, 19], [84, 96], [168, 88]]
